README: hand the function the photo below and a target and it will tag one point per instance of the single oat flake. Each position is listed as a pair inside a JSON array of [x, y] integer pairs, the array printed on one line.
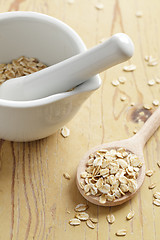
[[155, 102], [146, 58], [115, 83], [152, 186], [147, 106], [121, 232], [99, 6], [151, 82], [158, 164], [110, 218], [153, 63], [65, 132], [149, 173], [90, 224], [123, 98], [157, 79], [130, 215], [139, 14], [81, 207], [129, 68], [83, 216], [74, 222], [94, 220], [122, 79], [67, 176], [135, 131], [132, 104], [70, 1], [156, 195], [156, 202]]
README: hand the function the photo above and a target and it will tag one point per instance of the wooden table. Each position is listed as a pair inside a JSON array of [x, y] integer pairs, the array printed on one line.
[[36, 201]]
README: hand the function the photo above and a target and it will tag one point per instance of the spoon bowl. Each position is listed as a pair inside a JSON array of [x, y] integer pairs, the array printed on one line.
[[134, 145], [130, 145]]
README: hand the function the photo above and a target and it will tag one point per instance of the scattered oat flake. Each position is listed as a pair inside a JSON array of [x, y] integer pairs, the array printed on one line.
[[90, 224], [149, 173], [157, 79], [146, 106], [146, 58], [153, 63], [135, 131], [110, 218], [67, 176], [139, 14], [83, 216], [122, 79], [129, 68], [115, 82], [65, 132], [155, 102], [70, 1], [130, 215], [151, 82], [156, 202], [132, 104], [74, 222], [68, 212], [123, 98], [156, 195], [149, 58], [158, 164], [99, 6], [94, 220], [121, 232], [81, 207], [153, 185]]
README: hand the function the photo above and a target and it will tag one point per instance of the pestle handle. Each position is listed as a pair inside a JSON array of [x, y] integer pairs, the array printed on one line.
[[70, 72]]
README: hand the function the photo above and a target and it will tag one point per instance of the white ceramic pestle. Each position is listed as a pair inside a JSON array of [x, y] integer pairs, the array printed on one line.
[[69, 73]]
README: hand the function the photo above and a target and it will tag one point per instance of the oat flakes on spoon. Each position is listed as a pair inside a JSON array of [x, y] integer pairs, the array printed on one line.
[[112, 173]]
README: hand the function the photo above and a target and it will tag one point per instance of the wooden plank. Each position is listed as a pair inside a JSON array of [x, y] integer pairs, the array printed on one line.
[[35, 197]]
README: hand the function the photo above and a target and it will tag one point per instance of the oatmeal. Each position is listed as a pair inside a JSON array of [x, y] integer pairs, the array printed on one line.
[[19, 67], [110, 174]]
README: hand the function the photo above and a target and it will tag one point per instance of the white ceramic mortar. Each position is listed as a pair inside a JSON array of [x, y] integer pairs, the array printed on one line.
[[49, 40]]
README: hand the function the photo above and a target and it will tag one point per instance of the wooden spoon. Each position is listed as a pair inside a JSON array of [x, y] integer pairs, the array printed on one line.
[[135, 145]]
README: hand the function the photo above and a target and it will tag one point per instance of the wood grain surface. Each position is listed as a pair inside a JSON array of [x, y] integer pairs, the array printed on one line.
[[34, 195]]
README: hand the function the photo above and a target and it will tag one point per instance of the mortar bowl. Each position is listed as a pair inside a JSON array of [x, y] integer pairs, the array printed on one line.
[[32, 34]]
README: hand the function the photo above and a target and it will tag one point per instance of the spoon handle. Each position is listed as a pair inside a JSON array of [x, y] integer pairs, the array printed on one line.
[[148, 128]]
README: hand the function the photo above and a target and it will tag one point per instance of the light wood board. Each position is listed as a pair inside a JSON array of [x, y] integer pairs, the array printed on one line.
[[34, 195]]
